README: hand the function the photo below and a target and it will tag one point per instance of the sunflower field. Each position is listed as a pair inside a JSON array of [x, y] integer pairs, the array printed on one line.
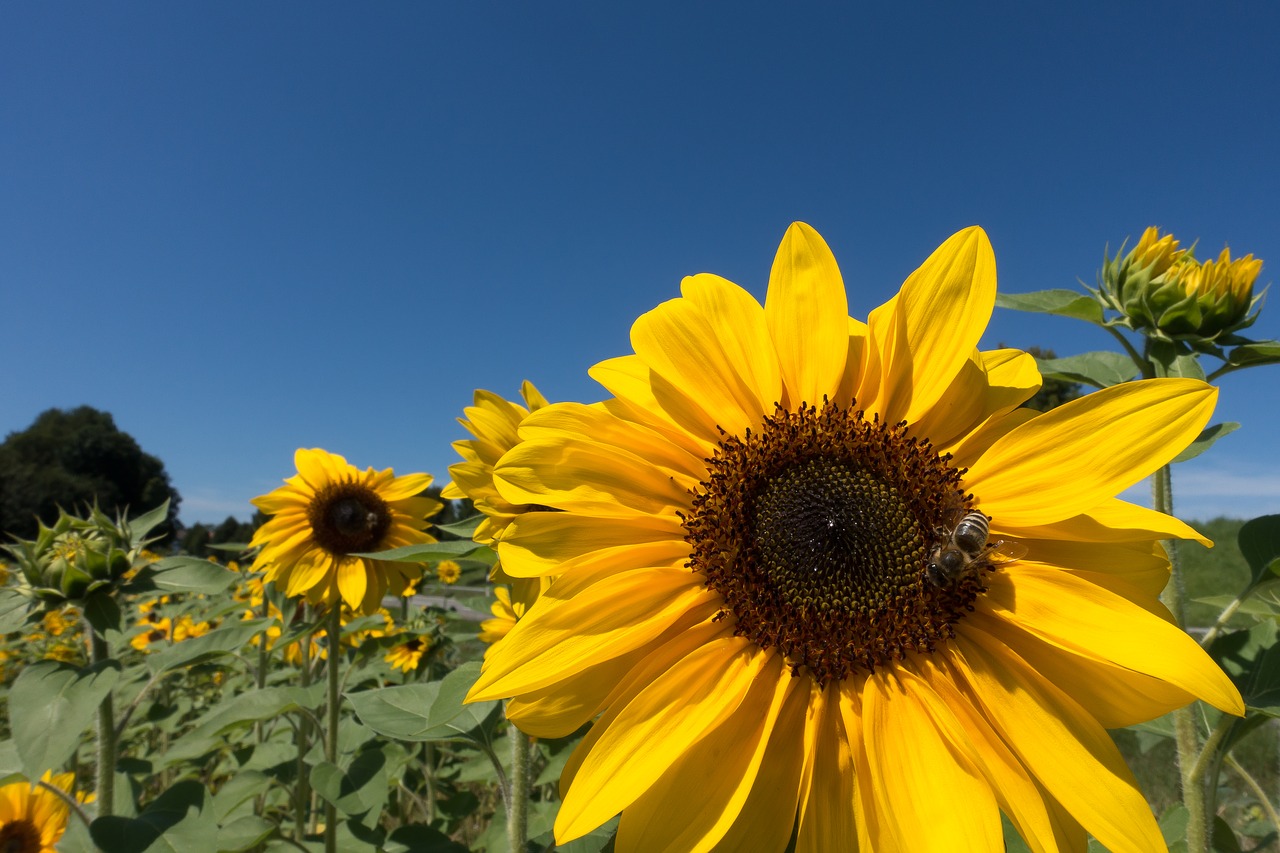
[[799, 582]]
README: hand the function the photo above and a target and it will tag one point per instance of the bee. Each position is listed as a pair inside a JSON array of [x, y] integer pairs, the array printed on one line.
[[965, 549]]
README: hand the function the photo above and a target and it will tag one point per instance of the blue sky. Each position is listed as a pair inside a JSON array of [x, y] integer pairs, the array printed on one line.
[[245, 228]]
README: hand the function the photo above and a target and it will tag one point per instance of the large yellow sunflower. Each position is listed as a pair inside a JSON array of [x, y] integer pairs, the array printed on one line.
[[33, 818], [331, 511], [777, 600]]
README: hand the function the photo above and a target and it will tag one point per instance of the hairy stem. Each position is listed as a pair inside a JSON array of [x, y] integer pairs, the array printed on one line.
[[1185, 732], [107, 740], [331, 710], [518, 808]]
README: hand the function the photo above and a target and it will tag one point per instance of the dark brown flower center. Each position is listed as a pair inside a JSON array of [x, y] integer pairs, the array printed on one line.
[[20, 836], [348, 518], [817, 530]]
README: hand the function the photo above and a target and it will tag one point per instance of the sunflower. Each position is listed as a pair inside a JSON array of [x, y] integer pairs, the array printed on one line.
[[331, 512], [495, 423], [505, 615], [407, 655], [32, 818], [448, 571], [787, 591]]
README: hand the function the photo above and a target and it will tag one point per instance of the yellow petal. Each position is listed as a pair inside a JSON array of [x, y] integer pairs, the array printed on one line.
[[768, 814], [937, 319], [807, 312], [629, 379], [738, 324], [352, 581], [573, 420], [405, 487], [1114, 520], [1068, 612], [962, 723], [598, 623], [583, 476], [1068, 752], [694, 697], [1116, 697], [826, 813], [910, 762], [700, 797], [550, 543], [1078, 455]]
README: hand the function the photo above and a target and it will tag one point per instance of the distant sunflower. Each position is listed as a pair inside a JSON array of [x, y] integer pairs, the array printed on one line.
[[504, 616], [32, 818], [448, 571], [776, 596], [406, 656], [332, 511]]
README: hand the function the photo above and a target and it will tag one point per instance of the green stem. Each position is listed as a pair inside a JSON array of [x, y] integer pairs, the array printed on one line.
[[1223, 618], [106, 787], [1253, 785], [302, 795], [331, 711], [518, 808], [1185, 732], [68, 799]]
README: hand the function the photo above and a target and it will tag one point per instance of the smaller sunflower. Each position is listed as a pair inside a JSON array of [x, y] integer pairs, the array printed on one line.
[[495, 423], [448, 571], [329, 513], [407, 656], [157, 629], [32, 818]]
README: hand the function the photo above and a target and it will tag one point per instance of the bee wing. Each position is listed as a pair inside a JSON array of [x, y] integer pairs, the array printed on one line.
[[1006, 551]]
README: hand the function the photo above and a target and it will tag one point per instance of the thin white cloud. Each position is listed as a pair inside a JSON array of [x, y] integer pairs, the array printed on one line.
[[1203, 490]]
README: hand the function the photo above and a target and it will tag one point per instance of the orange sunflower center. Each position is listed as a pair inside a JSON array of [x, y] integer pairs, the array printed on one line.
[[348, 518], [20, 836], [818, 531]]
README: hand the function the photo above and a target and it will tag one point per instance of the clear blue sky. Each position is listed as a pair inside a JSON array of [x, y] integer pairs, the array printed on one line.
[[244, 228]]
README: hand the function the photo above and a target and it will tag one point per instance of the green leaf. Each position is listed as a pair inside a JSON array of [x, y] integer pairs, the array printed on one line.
[[1206, 439], [243, 709], [420, 712], [102, 612], [420, 838], [228, 547], [424, 553], [1100, 369], [1224, 837], [463, 529], [243, 833], [179, 821], [142, 525], [221, 641], [50, 706], [1259, 540], [10, 762], [14, 610], [1063, 303], [1174, 361], [183, 574], [359, 790], [1262, 693], [1255, 354], [243, 786]]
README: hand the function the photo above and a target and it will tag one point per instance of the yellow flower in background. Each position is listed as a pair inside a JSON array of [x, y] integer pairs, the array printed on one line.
[[55, 622], [63, 651], [505, 615], [448, 571], [32, 818], [494, 423], [823, 576], [406, 656], [187, 628], [331, 511], [156, 629]]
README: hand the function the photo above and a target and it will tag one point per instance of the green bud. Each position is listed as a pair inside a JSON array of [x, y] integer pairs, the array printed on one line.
[[74, 557], [1164, 291]]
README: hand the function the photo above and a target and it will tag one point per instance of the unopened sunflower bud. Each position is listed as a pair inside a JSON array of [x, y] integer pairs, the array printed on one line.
[[1163, 289], [71, 559]]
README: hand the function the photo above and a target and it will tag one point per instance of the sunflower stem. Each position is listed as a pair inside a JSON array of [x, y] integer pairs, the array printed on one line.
[[1263, 801], [331, 713], [106, 781], [518, 807], [302, 795], [1186, 734]]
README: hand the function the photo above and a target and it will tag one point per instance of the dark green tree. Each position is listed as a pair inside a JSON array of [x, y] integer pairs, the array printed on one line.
[[72, 458]]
